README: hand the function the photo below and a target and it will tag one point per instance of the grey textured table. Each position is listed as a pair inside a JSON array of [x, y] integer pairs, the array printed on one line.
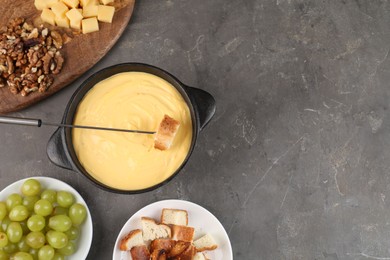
[[295, 163]]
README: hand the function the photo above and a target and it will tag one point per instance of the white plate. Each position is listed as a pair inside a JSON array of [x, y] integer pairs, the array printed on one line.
[[198, 217], [85, 239]]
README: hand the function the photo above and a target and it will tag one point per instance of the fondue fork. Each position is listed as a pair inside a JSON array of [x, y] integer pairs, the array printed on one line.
[[39, 123]]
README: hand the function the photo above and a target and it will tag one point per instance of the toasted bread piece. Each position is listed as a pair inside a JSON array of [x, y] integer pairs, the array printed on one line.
[[140, 253], [182, 233], [206, 242], [199, 256], [158, 255], [174, 216], [162, 244], [178, 249], [187, 254], [151, 230], [166, 133], [134, 238]]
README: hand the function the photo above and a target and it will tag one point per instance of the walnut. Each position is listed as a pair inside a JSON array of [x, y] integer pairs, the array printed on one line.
[[57, 39]]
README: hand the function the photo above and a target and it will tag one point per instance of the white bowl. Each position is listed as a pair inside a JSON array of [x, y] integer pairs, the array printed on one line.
[[198, 217], [85, 240]]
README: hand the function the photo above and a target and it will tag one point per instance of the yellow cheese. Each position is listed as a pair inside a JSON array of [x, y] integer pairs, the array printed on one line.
[[75, 25], [105, 13], [40, 4], [59, 9], [62, 21], [50, 3], [106, 2], [74, 15], [80, 11], [84, 2], [90, 11], [48, 16], [131, 100], [90, 25], [71, 3]]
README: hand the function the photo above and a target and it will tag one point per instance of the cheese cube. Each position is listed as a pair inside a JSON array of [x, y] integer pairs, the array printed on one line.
[[75, 25], [71, 3], [48, 16], [90, 11], [84, 2], [106, 2], [62, 21], [105, 13], [74, 15], [40, 4], [50, 3], [90, 25], [59, 9]]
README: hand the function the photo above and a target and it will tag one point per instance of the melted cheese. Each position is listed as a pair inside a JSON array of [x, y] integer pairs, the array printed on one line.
[[130, 100]]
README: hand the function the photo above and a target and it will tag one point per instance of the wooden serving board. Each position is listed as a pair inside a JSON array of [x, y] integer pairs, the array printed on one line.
[[81, 53]]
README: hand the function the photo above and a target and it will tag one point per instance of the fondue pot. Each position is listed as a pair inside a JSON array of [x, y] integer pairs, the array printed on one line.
[[60, 148]]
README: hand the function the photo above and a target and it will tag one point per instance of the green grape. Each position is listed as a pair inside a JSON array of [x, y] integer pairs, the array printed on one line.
[[77, 213], [50, 195], [31, 187], [73, 233], [10, 248], [4, 255], [4, 224], [60, 211], [35, 239], [36, 223], [14, 232], [3, 210], [3, 240], [43, 208], [67, 250], [60, 223], [57, 256], [29, 202], [34, 253], [22, 256], [22, 245], [46, 253], [13, 200], [65, 199], [56, 239], [18, 213]]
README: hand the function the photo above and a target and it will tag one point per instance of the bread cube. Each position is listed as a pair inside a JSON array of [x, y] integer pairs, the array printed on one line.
[[71, 3], [106, 2], [59, 9], [90, 25], [90, 11], [40, 4], [74, 15], [62, 21], [106, 13], [48, 16]]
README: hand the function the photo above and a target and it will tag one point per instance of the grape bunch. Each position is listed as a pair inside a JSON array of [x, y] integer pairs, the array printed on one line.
[[39, 224]]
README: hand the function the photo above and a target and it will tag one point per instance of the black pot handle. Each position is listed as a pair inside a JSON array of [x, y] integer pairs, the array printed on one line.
[[204, 104], [56, 152]]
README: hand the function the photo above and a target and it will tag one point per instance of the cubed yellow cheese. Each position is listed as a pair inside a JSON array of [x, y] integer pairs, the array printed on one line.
[[40, 4], [71, 3], [62, 21], [90, 11], [74, 15], [105, 13], [48, 16], [50, 3], [106, 2], [75, 25], [59, 9], [90, 25], [84, 2]]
